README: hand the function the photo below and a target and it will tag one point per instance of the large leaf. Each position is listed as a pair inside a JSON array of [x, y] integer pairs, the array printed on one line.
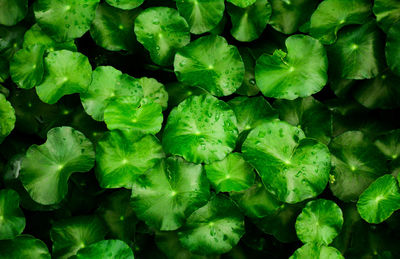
[[24, 246], [167, 194], [121, 158], [379, 200], [299, 73], [292, 167], [12, 220], [210, 63], [106, 249], [319, 222], [46, 168], [201, 15], [332, 15], [71, 234], [7, 117], [214, 228], [248, 23], [108, 84], [11, 12], [66, 72], [230, 174], [314, 251], [356, 163], [201, 129], [162, 31]]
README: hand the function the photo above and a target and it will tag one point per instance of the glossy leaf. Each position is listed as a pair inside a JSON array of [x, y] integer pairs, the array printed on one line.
[[314, 251], [242, 3], [168, 193], [24, 246], [300, 72], [125, 4], [46, 168], [153, 91], [107, 249], [292, 167], [201, 129], [121, 158], [7, 117], [12, 220]]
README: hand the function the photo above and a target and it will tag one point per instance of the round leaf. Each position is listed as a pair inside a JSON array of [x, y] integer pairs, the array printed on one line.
[[127, 116], [108, 84], [71, 234], [314, 251], [319, 222], [167, 194], [26, 67], [66, 73], [356, 163], [299, 73], [106, 249], [242, 3], [12, 220], [288, 15], [153, 91], [358, 52], [230, 174], [378, 202], [201, 15], [332, 15], [248, 23], [125, 4], [162, 31], [65, 19], [313, 117], [112, 28], [210, 63], [214, 228], [121, 158], [393, 48], [387, 13], [292, 167], [389, 144], [46, 168], [24, 246], [7, 117], [11, 12], [201, 129]]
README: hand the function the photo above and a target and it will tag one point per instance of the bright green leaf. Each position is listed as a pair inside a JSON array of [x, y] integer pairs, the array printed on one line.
[[125, 4], [242, 3], [314, 251], [12, 11], [106, 249], [7, 117]]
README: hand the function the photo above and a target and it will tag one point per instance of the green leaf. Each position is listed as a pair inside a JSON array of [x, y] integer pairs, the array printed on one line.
[[249, 86], [66, 72], [46, 168], [109, 84], [118, 215], [72, 234], [300, 73], [11, 12], [12, 220], [127, 116], [24, 246], [26, 67], [106, 249], [11, 40], [125, 4], [389, 144], [292, 167], [153, 91], [4, 70], [378, 202], [314, 251], [319, 222], [242, 3], [230, 174], [201, 129], [177, 92], [7, 118], [210, 63], [65, 19], [112, 28], [387, 13], [248, 23], [332, 15], [256, 201], [288, 15], [162, 31], [121, 158], [214, 228], [358, 52], [313, 117], [392, 48], [201, 15], [356, 163], [167, 194]]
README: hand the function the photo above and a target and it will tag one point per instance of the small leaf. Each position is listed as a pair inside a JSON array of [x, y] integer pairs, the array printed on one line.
[[7, 117], [242, 3], [314, 251]]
